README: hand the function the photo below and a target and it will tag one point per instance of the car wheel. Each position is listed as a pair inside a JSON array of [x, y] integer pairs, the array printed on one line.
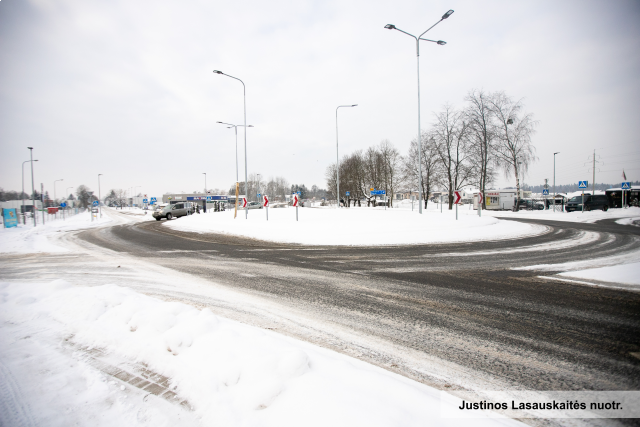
[[158, 218], [587, 208], [605, 208], [169, 216]]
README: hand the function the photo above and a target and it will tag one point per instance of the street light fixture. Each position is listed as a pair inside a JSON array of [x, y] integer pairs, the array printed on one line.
[[417, 39], [33, 190], [236, 129], [99, 196], [554, 180], [22, 195], [244, 91], [337, 157]]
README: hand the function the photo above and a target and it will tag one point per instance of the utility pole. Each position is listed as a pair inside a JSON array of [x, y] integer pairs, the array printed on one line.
[[33, 189], [593, 184]]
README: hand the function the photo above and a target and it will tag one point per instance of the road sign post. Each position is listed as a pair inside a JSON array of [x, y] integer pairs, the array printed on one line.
[[582, 185], [456, 201], [625, 186], [480, 199], [266, 205], [295, 203]]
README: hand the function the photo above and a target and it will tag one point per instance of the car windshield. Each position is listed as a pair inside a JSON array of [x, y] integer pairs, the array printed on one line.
[[167, 208], [576, 199]]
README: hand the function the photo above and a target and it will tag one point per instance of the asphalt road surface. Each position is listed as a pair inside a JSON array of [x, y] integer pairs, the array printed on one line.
[[445, 314]]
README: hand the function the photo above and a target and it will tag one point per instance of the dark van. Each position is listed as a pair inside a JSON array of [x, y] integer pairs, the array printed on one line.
[[597, 202]]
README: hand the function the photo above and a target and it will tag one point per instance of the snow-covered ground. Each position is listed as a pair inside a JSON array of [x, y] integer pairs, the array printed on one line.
[[227, 373], [626, 273], [77, 355], [29, 239], [357, 226], [587, 217]]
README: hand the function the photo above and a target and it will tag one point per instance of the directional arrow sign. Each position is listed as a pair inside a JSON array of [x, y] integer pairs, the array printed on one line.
[[295, 200], [480, 198], [244, 202], [456, 197], [63, 205], [266, 201], [626, 185], [583, 184], [545, 192]]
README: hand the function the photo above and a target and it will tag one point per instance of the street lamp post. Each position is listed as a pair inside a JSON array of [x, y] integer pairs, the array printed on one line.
[[441, 43], [337, 157], [33, 190], [244, 91], [205, 183], [99, 196], [24, 221], [55, 197], [258, 188], [236, 129], [554, 180]]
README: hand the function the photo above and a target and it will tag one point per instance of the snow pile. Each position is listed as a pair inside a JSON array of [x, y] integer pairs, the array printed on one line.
[[626, 273], [587, 217], [27, 238], [231, 374], [356, 226]]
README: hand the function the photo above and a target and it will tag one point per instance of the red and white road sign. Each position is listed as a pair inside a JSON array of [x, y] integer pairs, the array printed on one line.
[[266, 201], [480, 198], [456, 197], [244, 202], [295, 200]]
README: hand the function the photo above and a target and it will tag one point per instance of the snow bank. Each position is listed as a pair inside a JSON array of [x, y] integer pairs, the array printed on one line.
[[587, 217], [27, 238], [231, 374], [356, 226], [626, 273]]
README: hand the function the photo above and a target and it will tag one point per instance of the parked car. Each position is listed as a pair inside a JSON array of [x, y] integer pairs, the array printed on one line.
[[598, 201], [528, 204], [254, 205], [175, 211]]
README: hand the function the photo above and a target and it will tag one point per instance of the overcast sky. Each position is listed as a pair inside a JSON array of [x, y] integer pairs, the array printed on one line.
[[125, 88]]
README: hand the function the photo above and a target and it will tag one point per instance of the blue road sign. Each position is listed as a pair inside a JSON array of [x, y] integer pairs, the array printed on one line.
[[545, 192], [259, 194], [63, 205], [299, 193], [153, 199], [626, 186], [348, 193], [95, 203], [378, 192], [583, 184], [152, 202], [145, 201], [10, 217]]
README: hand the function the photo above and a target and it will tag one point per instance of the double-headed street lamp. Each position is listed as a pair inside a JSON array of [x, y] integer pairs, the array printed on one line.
[[337, 157], [441, 43], [244, 90], [22, 195], [236, 129]]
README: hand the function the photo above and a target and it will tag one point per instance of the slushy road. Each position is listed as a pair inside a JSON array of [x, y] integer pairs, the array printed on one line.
[[445, 314]]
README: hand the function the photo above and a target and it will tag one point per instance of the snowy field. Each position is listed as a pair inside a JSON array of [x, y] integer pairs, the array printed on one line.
[[357, 226]]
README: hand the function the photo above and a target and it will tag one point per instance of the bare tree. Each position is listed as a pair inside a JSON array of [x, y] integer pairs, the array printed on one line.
[[482, 136], [514, 129], [451, 135], [391, 167], [431, 166]]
